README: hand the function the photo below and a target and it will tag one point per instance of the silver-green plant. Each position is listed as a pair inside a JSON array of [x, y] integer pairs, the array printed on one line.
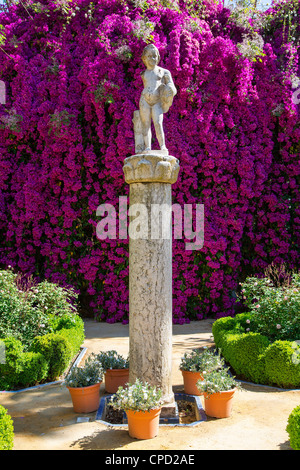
[[112, 360], [90, 373], [217, 381], [201, 360], [140, 396]]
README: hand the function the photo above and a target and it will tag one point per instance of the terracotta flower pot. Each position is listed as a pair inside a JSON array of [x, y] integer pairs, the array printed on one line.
[[189, 381], [219, 405], [85, 399], [115, 378], [143, 424]]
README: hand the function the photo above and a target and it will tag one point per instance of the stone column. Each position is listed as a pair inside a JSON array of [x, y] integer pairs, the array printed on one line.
[[150, 176]]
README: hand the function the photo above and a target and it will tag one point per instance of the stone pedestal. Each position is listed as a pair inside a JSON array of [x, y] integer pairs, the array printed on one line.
[[150, 176]]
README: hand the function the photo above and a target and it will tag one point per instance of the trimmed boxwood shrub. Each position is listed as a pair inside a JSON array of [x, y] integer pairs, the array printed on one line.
[[220, 326], [6, 430], [40, 330], [34, 368], [58, 348], [48, 356], [72, 330], [244, 352], [237, 324], [281, 368], [293, 428], [253, 357], [57, 351], [10, 369]]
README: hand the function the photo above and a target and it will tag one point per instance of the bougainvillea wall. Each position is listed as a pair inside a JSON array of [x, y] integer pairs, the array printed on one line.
[[72, 75]]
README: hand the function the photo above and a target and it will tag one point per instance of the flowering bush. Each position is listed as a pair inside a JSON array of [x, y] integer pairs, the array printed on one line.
[[253, 357], [29, 309], [72, 75], [217, 381], [89, 374], [139, 396], [199, 361], [275, 311], [112, 360]]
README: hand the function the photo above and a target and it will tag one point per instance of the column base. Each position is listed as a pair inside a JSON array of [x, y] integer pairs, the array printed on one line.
[[170, 410]]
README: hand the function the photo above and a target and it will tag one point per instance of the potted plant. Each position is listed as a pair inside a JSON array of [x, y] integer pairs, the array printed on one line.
[[194, 363], [116, 370], [84, 383], [218, 388], [142, 405]]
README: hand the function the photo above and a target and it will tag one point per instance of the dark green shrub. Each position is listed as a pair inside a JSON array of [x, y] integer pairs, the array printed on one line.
[[251, 354], [48, 357], [248, 356], [245, 354], [75, 338], [34, 368], [293, 428], [281, 364], [57, 351], [239, 324], [10, 368], [67, 321], [220, 326], [40, 330], [6, 430], [72, 329]]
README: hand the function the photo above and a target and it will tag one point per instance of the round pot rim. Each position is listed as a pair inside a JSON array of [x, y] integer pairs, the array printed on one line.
[[153, 410], [222, 392], [87, 386]]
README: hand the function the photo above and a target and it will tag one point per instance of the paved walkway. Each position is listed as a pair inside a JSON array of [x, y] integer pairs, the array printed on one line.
[[44, 418]]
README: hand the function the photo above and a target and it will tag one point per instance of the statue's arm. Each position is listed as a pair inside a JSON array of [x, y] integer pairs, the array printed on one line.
[[143, 77], [168, 80]]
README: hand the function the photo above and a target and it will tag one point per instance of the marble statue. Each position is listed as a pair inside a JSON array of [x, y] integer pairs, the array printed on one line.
[[156, 99]]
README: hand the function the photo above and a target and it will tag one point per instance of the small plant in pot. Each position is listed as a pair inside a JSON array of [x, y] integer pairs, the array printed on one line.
[[142, 405], [84, 383], [116, 370], [218, 388], [194, 363]]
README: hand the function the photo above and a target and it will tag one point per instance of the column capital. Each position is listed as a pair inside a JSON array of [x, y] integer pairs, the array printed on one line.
[[151, 167]]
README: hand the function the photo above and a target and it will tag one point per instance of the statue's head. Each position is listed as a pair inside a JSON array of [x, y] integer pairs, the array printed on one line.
[[150, 52]]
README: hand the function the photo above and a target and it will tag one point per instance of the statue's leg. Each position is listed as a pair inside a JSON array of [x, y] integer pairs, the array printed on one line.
[[157, 116], [145, 116]]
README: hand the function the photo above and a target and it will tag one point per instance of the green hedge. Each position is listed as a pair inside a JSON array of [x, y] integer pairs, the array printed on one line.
[[6, 430], [281, 367], [33, 367], [244, 352], [47, 358], [253, 357], [11, 368], [58, 348], [293, 428]]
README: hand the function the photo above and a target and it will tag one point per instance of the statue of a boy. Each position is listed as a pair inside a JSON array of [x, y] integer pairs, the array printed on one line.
[[156, 98]]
